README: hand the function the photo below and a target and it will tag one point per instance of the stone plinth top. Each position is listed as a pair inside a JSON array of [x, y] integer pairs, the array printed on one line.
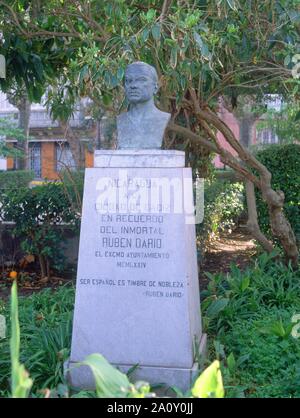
[[139, 158]]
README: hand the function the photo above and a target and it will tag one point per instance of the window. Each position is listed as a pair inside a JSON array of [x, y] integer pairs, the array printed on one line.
[[267, 136], [64, 157], [35, 158], [273, 138]]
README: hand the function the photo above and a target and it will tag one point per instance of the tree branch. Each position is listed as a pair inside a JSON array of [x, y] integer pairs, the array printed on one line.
[[165, 10], [252, 223]]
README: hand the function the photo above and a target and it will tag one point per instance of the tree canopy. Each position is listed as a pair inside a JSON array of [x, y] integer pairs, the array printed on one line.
[[217, 47], [202, 50]]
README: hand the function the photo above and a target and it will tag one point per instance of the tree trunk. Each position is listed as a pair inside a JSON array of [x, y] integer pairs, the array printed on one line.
[[252, 223], [19, 99], [245, 164], [48, 267], [98, 138], [24, 107], [246, 124], [74, 143], [42, 266], [280, 226]]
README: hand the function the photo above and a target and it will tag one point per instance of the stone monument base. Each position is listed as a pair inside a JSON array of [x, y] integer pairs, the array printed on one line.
[[137, 292], [166, 377]]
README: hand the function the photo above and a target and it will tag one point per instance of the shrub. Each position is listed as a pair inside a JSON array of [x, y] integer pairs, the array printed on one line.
[[72, 182], [15, 179], [45, 323], [250, 315], [283, 161], [9, 129], [37, 212]]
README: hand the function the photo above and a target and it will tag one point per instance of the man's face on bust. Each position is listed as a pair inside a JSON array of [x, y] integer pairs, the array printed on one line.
[[140, 85]]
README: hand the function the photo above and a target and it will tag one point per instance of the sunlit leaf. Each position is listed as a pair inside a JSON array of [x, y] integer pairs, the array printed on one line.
[[209, 384]]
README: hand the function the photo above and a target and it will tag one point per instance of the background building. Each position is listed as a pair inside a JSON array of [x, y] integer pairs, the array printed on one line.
[[49, 151]]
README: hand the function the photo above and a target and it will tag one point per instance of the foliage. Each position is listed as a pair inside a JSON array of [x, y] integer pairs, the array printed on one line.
[[72, 183], [283, 161], [110, 382], [10, 180], [192, 43], [46, 312], [9, 129], [210, 383], [201, 51], [268, 364], [30, 63], [39, 214], [45, 323], [250, 315], [223, 205], [20, 381], [285, 123]]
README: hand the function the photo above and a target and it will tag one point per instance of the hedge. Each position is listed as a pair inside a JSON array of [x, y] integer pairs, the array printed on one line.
[[283, 161]]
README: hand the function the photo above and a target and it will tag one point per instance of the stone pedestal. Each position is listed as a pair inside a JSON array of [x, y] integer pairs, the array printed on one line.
[[137, 293]]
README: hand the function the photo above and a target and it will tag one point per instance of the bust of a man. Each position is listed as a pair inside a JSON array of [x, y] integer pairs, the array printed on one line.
[[143, 126]]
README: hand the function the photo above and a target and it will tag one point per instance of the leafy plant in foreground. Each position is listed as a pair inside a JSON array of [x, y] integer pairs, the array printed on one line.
[[21, 383], [109, 381], [249, 313]]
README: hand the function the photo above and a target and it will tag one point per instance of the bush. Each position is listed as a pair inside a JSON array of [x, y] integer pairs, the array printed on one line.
[[36, 213], [283, 161], [9, 129], [223, 206], [72, 182], [46, 326], [15, 179], [249, 313]]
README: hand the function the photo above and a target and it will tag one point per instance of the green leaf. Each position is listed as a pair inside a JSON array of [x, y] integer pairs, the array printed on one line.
[[83, 73], [287, 60], [120, 73], [110, 382], [202, 45], [155, 30], [209, 384], [151, 14], [232, 5], [145, 34], [219, 349], [231, 363], [245, 283], [20, 381], [216, 307], [297, 116], [173, 58], [277, 328], [107, 99]]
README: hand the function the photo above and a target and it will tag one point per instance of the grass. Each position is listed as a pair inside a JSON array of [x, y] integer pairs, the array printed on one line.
[[45, 323], [48, 361], [247, 314], [249, 317]]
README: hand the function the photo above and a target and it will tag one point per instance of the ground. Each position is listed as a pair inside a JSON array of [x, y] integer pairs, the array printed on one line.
[[235, 248]]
